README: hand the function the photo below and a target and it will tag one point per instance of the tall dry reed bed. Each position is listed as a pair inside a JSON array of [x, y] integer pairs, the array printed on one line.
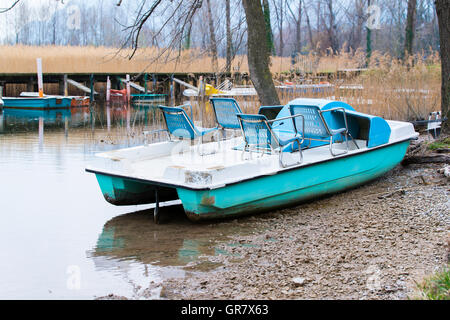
[[68, 59], [389, 87]]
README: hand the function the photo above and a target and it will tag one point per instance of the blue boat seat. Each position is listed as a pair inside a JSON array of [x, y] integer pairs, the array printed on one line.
[[271, 112], [180, 125], [225, 110], [259, 136], [315, 128]]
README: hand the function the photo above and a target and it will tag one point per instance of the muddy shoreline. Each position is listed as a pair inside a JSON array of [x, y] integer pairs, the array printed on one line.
[[372, 242]]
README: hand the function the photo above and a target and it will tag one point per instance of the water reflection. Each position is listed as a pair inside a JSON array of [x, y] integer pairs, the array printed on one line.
[[17, 120], [97, 115], [174, 243], [53, 212]]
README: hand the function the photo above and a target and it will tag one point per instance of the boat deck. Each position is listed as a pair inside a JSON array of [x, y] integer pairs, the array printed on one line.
[[215, 164]]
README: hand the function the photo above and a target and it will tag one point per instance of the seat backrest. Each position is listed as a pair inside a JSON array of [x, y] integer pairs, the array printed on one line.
[[256, 130], [178, 122], [271, 112], [225, 110], [314, 123]]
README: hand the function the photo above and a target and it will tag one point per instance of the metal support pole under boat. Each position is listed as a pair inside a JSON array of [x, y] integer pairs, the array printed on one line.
[[156, 210]]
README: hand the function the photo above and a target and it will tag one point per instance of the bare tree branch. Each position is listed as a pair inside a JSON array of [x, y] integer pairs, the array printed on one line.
[[9, 8]]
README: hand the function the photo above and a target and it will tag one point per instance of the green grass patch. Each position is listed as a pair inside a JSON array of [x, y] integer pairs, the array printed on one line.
[[441, 144], [436, 287], [434, 68]]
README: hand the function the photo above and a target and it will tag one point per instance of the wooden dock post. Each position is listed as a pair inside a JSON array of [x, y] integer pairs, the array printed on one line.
[[92, 95], [155, 83], [108, 89], [201, 95], [174, 85], [128, 88], [63, 90], [40, 78], [30, 85], [145, 83], [66, 86], [172, 89]]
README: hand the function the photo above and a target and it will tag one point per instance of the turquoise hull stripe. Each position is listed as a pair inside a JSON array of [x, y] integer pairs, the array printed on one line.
[[292, 186], [107, 185]]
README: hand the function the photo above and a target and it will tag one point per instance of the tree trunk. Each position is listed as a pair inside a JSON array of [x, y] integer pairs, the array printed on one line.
[[212, 36], [410, 27], [268, 26], [187, 41], [229, 39], [318, 17], [332, 34], [359, 24], [298, 24], [368, 41], [308, 22], [281, 28], [298, 44], [259, 53], [443, 13]]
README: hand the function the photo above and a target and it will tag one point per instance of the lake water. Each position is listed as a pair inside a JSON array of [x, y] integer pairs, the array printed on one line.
[[60, 239]]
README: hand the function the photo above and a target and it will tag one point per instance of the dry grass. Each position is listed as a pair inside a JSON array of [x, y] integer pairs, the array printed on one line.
[[389, 88], [330, 62], [56, 59]]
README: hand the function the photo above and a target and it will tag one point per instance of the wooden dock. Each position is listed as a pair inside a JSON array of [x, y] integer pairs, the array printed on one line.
[[158, 83], [161, 83]]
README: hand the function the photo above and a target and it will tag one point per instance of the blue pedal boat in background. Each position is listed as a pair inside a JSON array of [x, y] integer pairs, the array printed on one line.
[[264, 169], [37, 103]]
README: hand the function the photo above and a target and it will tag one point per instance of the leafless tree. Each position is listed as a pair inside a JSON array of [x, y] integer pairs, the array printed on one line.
[[410, 26], [212, 37], [279, 6], [297, 17], [443, 13], [228, 35]]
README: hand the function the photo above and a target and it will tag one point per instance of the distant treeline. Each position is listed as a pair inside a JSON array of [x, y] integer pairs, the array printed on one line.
[[303, 26]]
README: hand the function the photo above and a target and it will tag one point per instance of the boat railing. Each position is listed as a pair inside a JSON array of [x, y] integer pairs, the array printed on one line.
[[226, 85], [317, 129], [259, 136]]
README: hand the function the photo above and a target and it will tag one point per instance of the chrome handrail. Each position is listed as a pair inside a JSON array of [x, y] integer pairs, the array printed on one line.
[[269, 127]]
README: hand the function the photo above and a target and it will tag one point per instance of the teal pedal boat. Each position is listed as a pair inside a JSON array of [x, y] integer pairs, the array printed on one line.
[[36, 103], [260, 167]]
